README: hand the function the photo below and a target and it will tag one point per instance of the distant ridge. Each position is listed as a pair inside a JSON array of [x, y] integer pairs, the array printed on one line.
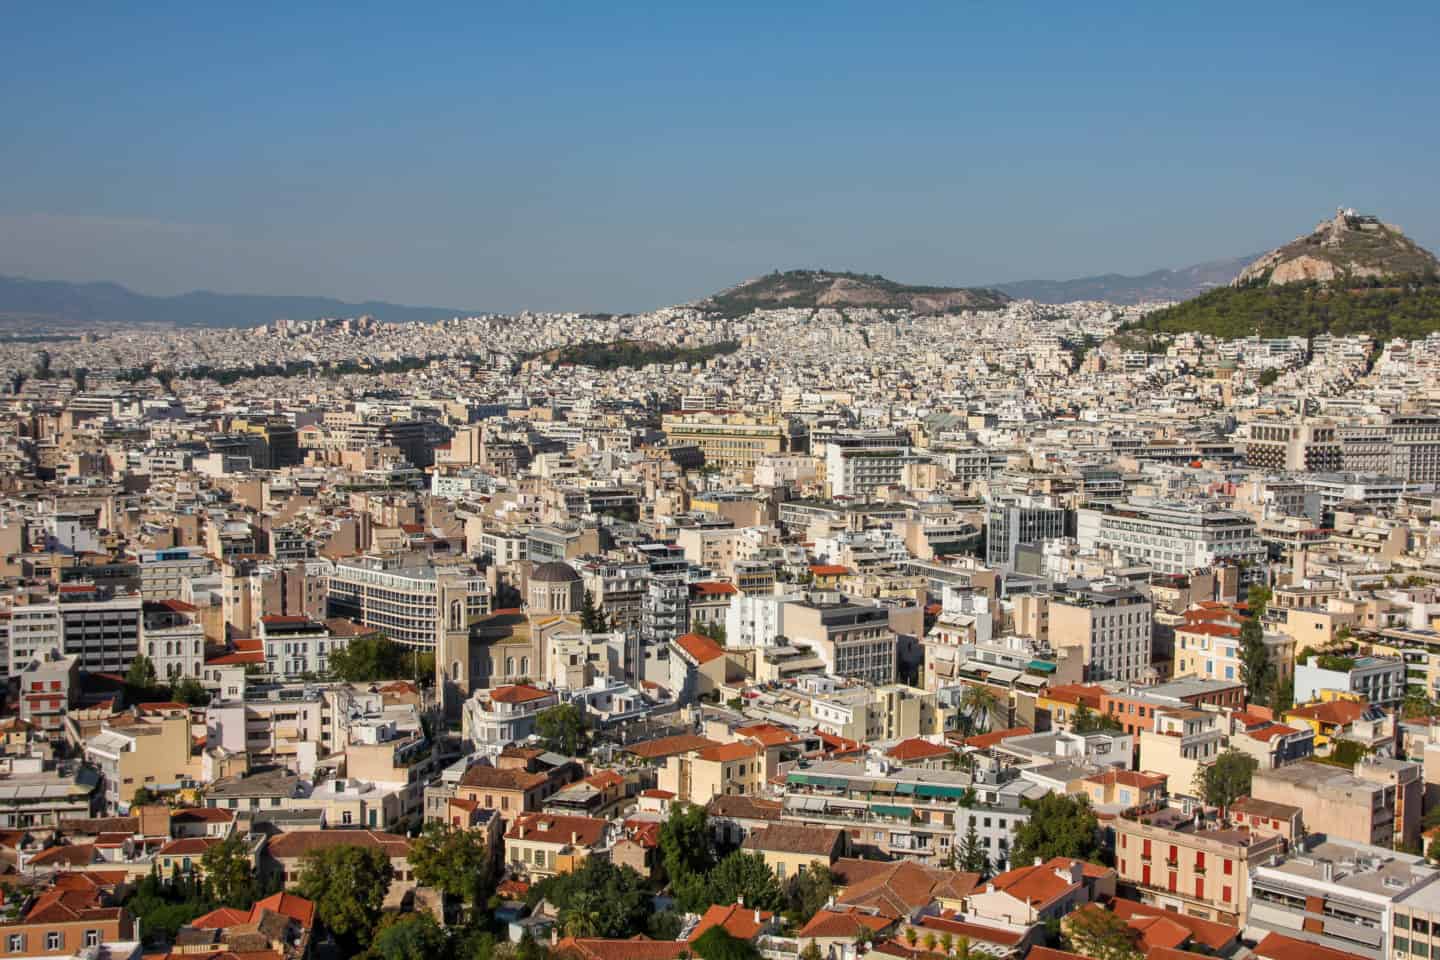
[[46, 304], [809, 289], [1157, 285]]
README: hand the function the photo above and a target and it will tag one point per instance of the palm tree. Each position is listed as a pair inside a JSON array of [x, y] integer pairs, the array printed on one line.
[[929, 941], [947, 941], [962, 949], [911, 935], [582, 919], [977, 704]]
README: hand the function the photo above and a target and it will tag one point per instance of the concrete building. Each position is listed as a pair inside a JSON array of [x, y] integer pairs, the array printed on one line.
[[1173, 536], [1111, 629], [1337, 802], [853, 640], [1378, 680]]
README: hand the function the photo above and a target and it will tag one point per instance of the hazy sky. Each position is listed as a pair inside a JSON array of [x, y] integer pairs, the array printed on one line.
[[609, 156]]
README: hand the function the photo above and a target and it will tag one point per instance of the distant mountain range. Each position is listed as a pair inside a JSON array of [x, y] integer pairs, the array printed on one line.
[[29, 305], [808, 289], [1181, 284]]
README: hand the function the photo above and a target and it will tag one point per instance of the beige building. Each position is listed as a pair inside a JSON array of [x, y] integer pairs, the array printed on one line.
[[852, 639], [1182, 742], [722, 770], [728, 440], [1338, 803], [1198, 873], [133, 753], [540, 845], [1111, 629], [790, 848]]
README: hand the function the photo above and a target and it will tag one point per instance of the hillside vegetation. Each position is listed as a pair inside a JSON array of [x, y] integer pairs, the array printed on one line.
[[1395, 307], [632, 353], [811, 289]]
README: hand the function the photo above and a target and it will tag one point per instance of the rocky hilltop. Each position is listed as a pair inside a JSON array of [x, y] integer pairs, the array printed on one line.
[[1351, 275], [1348, 247], [809, 289]]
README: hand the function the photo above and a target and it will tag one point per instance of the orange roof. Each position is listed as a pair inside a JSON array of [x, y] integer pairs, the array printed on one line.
[[221, 918], [655, 793], [1208, 933], [1337, 712], [636, 948], [726, 752], [1277, 946], [662, 747], [557, 828], [299, 909], [993, 738], [1128, 778], [744, 923], [847, 923], [1039, 884], [519, 693], [917, 749], [700, 648], [829, 569], [1271, 732], [713, 588]]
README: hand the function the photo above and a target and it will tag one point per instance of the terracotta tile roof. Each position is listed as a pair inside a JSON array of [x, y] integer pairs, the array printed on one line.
[[832, 923], [188, 847], [1337, 712], [202, 815], [62, 906], [745, 808], [220, 919], [745, 923], [917, 749], [1277, 946], [699, 648], [794, 838], [713, 588], [899, 889], [519, 693], [986, 740], [655, 793], [637, 948], [297, 843], [1266, 734], [975, 932], [75, 855], [557, 828], [726, 752], [483, 777], [829, 569], [1040, 884], [662, 747], [299, 909], [1129, 778], [1208, 933]]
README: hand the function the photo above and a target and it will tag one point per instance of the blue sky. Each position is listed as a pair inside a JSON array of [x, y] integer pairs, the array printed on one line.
[[617, 156]]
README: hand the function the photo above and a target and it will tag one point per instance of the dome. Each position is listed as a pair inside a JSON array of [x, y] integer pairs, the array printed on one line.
[[554, 572]]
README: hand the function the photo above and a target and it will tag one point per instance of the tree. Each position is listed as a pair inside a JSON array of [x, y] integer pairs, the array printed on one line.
[[592, 618], [717, 944], [409, 936], [1099, 934], [1258, 599], [1284, 695], [190, 691], [562, 728], [348, 884], [1433, 852], [911, 935], [230, 872], [144, 797], [459, 862], [745, 875], [1255, 667], [611, 900], [930, 940], [973, 856], [687, 850], [1060, 825], [812, 951], [979, 704], [1086, 720], [808, 891], [378, 657], [141, 676], [1227, 779]]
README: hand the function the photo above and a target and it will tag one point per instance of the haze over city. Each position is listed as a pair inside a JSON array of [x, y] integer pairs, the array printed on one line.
[[624, 157]]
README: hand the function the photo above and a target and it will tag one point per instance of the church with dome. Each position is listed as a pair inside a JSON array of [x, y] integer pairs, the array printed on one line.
[[508, 645]]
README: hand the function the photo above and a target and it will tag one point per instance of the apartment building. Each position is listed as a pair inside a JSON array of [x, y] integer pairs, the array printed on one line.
[[1377, 680], [401, 600], [1182, 742], [543, 845], [1194, 870], [721, 770], [165, 573], [1011, 522], [728, 440], [1111, 629], [1337, 802], [297, 646], [852, 640], [174, 639], [504, 715], [133, 753], [893, 711], [1173, 536], [1297, 447], [1342, 896]]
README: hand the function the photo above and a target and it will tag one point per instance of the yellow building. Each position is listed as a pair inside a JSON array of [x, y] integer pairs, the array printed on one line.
[[133, 753], [728, 440], [790, 848], [724, 770], [540, 845]]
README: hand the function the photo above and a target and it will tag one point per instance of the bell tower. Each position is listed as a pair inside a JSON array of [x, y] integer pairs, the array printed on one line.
[[452, 645]]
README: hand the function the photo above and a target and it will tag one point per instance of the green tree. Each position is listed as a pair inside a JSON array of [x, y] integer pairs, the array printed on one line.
[[377, 657], [1284, 695], [745, 875], [614, 900], [562, 728], [190, 691], [978, 704], [1060, 825], [665, 925], [459, 862], [1086, 720], [717, 944], [348, 884], [1433, 852], [973, 856], [687, 850], [1255, 667], [1101, 935], [409, 936], [144, 797], [592, 617], [812, 951], [230, 872], [1258, 599], [1227, 779], [807, 892], [141, 676]]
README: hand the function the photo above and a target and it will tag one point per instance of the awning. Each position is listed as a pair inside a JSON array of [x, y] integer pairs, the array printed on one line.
[[935, 790], [906, 788], [839, 804], [808, 804], [885, 810], [1043, 666], [883, 786]]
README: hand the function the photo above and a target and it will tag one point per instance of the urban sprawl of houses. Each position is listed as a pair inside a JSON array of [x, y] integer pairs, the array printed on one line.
[[866, 632]]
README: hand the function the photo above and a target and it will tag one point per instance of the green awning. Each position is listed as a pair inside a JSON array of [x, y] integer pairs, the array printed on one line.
[[933, 790], [885, 810], [904, 788], [797, 778], [1044, 666], [840, 783]]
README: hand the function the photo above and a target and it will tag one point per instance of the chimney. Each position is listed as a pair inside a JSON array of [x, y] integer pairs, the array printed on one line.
[[757, 918], [521, 825], [574, 838], [740, 900], [1038, 861]]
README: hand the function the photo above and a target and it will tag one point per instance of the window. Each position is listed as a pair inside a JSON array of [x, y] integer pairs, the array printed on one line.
[[92, 938], [1402, 944], [17, 942], [1402, 922], [52, 940]]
